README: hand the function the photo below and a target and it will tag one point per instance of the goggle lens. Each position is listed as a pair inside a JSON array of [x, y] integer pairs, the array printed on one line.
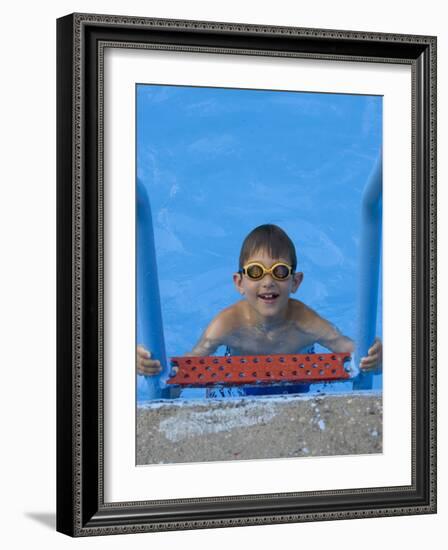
[[281, 271], [255, 271]]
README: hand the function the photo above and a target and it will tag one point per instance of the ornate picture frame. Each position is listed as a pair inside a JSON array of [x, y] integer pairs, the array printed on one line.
[[82, 509]]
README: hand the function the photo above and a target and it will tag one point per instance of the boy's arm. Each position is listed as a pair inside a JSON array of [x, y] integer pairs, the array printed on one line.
[[325, 333], [337, 342], [204, 346], [331, 338], [208, 343], [212, 337], [151, 367]]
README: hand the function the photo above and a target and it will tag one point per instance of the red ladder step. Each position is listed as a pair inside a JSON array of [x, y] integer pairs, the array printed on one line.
[[260, 369]]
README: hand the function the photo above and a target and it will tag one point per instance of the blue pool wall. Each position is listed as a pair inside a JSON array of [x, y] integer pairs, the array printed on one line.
[[215, 163]]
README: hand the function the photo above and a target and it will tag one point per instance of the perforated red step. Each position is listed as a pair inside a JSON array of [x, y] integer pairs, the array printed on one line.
[[260, 369]]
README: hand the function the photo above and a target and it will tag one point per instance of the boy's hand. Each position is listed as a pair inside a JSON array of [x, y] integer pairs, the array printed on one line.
[[145, 365], [374, 357]]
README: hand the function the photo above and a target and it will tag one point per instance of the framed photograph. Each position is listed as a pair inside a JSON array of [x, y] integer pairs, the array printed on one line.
[[246, 274]]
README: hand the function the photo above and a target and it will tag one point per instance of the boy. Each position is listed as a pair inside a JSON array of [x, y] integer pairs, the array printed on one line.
[[267, 320]]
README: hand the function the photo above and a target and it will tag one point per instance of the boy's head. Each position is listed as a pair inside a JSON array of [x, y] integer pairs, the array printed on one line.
[[271, 239], [267, 271]]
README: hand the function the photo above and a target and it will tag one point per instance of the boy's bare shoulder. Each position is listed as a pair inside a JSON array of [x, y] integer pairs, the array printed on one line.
[[322, 331], [225, 322], [306, 318]]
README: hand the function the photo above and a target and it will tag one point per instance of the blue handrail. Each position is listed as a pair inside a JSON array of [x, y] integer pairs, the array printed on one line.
[[369, 269], [149, 310]]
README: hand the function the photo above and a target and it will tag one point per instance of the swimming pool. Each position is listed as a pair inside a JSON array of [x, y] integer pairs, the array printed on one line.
[[216, 163]]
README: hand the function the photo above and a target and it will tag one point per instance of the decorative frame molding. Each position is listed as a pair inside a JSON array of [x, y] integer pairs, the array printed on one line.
[[81, 510]]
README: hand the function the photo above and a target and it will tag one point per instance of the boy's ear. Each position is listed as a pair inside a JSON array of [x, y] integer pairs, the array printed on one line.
[[238, 282], [296, 281]]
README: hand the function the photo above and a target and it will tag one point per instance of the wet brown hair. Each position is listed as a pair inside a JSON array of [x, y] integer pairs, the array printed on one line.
[[269, 238]]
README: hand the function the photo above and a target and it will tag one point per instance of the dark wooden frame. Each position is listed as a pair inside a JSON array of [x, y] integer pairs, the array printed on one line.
[[81, 510]]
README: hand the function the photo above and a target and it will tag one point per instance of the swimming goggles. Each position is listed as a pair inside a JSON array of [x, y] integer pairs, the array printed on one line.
[[256, 271]]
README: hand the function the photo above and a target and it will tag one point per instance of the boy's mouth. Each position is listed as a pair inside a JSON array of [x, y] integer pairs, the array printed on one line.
[[268, 297]]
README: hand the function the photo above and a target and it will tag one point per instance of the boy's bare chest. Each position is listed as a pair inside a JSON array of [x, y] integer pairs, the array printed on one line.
[[286, 338]]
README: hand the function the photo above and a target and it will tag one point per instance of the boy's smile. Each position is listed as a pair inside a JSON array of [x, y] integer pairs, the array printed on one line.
[[268, 297]]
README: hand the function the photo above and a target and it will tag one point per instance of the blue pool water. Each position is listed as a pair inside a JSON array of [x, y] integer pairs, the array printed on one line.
[[218, 162]]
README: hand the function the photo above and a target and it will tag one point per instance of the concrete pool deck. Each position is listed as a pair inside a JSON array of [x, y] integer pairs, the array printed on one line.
[[263, 427]]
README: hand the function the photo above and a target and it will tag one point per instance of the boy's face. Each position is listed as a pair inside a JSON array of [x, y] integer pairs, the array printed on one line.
[[268, 296]]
